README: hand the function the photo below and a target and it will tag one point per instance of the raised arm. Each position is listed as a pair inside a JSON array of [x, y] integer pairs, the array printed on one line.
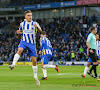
[[38, 27]]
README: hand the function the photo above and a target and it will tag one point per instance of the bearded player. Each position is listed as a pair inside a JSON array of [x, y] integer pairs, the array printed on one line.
[[98, 53], [91, 50]]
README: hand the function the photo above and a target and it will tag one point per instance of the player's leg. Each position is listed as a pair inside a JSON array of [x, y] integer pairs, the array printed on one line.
[[90, 71], [92, 68], [56, 63], [95, 69], [46, 60], [43, 62], [95, 63], [17, 55], [34, 67], [86, 69], [16, 58], [52, 66], [44, 73], [49, 66], [98, 62], [32, 53], [91, 58]]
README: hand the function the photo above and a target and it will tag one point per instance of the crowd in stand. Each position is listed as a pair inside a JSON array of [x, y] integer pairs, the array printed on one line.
[[67, 35], [3, 23], [32, 2]]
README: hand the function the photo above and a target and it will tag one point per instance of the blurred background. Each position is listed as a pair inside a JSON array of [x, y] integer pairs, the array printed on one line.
[[67, 23]]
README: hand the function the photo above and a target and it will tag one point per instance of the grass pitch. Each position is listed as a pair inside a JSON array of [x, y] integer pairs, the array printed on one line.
[[69, 77]]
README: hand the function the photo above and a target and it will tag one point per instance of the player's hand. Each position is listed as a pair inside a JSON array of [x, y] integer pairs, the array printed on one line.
[[35, 25], [19, 32], [88, 54], [91, 51], [40, 52]]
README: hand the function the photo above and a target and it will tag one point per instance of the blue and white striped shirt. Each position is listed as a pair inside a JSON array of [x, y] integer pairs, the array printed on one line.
[[98, 47], [46, 46], [28, 31]]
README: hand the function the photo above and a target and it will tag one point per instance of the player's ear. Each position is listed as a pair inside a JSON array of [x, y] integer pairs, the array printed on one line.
[[25, 16]]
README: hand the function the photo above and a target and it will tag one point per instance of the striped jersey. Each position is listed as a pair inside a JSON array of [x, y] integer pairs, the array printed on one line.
[[98, 47], [28, 31], [46, 46]]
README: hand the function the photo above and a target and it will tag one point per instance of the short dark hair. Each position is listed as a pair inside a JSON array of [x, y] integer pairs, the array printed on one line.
[[43, 33], [28, 11], [96, 34], [92, 28]]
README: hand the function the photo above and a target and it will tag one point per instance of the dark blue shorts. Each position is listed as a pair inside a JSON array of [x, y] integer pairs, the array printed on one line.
[[46, 58]]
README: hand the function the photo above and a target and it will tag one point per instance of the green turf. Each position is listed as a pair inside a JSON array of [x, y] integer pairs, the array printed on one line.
[[21, 78]]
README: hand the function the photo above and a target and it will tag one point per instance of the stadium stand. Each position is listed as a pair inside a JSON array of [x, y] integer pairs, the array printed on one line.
[[68, 37], [32, 2]]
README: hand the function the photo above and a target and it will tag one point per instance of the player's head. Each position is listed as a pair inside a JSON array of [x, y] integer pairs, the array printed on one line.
[[28, 15], [97, 36], [93, 30], [43, 34]]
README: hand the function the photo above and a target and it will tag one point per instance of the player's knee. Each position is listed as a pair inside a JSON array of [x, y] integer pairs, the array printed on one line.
[[88, 64], [20, 51], [34, 61]]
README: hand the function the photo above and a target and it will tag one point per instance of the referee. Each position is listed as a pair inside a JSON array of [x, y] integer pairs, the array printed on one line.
[[91, 44], [91, 50]]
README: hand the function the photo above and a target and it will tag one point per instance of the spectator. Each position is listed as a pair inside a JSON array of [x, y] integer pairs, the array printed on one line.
[[60, 62], [67, 57], [66, 35], [55, 58], [73, 56], [81, 49]]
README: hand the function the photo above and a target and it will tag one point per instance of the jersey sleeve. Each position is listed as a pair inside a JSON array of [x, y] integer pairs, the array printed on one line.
[[89, 38], [20, 27], [38, 25], [42, 42]]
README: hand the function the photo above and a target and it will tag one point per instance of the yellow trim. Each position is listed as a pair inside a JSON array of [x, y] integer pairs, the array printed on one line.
[[43, 61], [43, 50], [36, 30], [20, 63], [5, 63]]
